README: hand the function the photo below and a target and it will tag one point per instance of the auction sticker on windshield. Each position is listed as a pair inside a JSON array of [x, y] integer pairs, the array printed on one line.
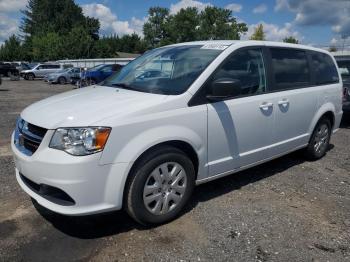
[[214, 46]]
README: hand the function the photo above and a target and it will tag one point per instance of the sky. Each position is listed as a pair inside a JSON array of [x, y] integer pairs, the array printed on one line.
[[312, 22]]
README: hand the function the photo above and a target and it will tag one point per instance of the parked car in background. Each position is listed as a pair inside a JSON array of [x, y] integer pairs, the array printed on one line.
[[7, 69], [344, 67], [143, 143], [63, 76], [41, 70], [99, 73]]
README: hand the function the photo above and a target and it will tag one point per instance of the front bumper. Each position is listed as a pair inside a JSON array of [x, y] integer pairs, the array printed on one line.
[[94, 188], [50, 80]]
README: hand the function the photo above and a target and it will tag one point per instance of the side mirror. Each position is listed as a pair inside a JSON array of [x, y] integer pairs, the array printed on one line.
[[224, 88]]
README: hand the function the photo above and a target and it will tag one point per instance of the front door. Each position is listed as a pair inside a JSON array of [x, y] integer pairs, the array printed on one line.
[[239, 129], [41, 71]]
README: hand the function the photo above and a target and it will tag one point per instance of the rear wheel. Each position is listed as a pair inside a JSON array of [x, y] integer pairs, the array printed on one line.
[[319, 141], [160, 186]]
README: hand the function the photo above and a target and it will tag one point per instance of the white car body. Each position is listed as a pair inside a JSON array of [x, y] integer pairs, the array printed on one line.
[[226, 137]]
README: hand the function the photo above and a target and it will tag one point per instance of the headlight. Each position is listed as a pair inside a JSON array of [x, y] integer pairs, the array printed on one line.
[[80, 141]]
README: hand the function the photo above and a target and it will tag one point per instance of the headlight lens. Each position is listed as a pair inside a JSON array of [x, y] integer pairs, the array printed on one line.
[[80, 141]]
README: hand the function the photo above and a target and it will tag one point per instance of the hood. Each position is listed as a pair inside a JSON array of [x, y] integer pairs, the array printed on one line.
[[86, 106]]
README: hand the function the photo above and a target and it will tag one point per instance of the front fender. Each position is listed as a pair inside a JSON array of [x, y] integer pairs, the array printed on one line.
[[135, 146]]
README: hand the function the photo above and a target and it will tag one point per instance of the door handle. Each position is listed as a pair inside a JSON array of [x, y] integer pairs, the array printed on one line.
[[283, 102], [266, 105]]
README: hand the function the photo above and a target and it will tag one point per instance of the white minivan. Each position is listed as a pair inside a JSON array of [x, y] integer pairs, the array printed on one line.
[[177, 116]]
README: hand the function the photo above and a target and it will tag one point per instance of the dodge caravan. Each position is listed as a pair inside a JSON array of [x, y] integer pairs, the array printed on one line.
[[142, 141]]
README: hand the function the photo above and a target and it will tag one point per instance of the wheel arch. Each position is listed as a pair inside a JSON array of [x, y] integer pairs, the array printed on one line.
[[30, 73], [62, 77], [185, 147], [327, 110]]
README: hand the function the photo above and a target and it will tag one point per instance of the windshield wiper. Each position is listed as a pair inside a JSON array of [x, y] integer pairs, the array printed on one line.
[[124, 86]]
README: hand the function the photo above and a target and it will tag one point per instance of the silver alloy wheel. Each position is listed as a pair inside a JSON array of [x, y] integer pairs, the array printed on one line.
[[164, 188], [321, 138]]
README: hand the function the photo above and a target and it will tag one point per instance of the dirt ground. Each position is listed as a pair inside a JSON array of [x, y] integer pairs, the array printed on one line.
[[284, 210]]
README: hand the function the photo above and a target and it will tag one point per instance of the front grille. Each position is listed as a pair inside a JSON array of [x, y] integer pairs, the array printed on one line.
[[37, 130], [28, 137]]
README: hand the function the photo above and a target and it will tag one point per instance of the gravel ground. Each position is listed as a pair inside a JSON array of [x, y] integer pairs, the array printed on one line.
[[284, 210]]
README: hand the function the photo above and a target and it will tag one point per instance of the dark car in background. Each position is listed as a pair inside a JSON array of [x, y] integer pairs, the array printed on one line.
[[344, 68], [99, 73], [7, 69]]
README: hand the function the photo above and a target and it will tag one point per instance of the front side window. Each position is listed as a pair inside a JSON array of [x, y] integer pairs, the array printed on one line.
[[246, 69], [167, 70], [291, 68], [325, 70]]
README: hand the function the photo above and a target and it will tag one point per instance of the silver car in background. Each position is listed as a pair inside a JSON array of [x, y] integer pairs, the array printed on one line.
[[42, 70], [63, 76]]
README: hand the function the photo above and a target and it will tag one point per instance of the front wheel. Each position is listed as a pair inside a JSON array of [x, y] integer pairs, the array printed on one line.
[[160, 186], [62, 80], [30, 76], [319, 141]]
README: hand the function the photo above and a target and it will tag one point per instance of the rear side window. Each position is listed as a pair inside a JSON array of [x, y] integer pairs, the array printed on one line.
[[290, 68], [325, 69]]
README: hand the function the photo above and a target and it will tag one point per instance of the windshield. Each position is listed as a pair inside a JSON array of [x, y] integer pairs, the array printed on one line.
[[32, 65], [95, 68], [167, 70]]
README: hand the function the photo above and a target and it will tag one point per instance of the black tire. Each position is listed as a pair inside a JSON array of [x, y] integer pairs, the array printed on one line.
[[134, 201], [62, 80], [92, 82], [311, 151], [30, 76]]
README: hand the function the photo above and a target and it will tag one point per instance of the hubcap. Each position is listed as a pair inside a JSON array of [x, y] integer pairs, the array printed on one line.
[[321, 138], [164, 188]]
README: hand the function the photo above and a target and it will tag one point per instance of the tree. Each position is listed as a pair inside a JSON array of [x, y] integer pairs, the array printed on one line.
[[259, 33], [12, 49], [332, 49], [183, 26], [47, 47], [132, 44], [218, 23], [155, 30], [291, 40], [59, 16], [78, 43], [189, 24]]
